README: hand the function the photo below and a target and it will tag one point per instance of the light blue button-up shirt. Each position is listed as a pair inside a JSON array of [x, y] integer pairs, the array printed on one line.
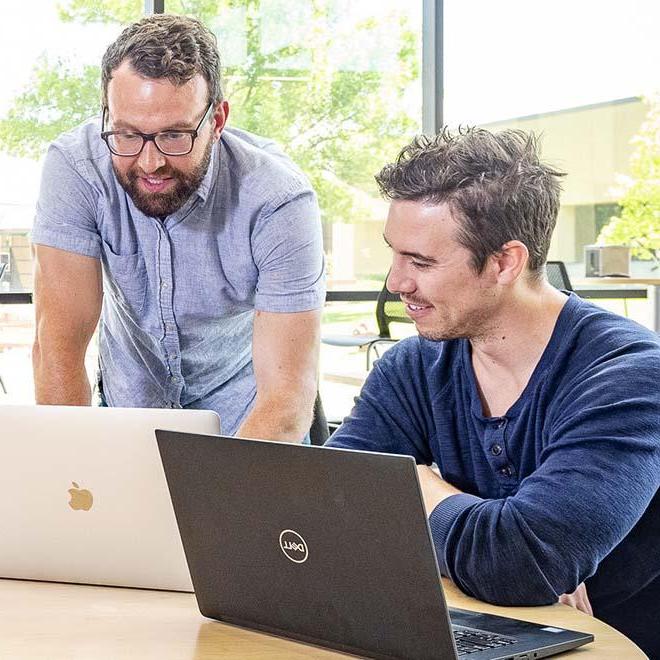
[[180, 293]]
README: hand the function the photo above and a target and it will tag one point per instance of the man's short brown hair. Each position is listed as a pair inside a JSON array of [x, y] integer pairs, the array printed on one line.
[[166, 46], [495, 183]]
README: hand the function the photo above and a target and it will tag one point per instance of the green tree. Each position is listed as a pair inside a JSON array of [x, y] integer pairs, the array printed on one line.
[[340, 124], [638, 223]]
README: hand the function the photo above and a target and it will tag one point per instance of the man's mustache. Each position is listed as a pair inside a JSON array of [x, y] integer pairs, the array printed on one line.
[[415, 301], [165, 171]]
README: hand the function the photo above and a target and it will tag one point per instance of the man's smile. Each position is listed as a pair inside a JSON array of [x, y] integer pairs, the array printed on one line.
[[155, 184], [416, 310]]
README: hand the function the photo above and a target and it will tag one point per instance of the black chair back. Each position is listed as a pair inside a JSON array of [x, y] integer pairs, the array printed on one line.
[[319, 431], [558, 275], [389, 309]]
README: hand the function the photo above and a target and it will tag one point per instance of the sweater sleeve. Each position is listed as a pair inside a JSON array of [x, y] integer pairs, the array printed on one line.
[[597, 473], [390, 413]]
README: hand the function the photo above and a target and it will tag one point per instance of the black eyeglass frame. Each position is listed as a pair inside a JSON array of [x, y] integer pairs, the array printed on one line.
[[151, 137]]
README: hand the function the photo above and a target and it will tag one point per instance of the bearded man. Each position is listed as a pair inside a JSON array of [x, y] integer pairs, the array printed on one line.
[[198, 246]]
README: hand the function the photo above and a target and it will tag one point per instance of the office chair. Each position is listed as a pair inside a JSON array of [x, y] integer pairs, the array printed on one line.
[[389, 309], [319, 431], [558, 275]]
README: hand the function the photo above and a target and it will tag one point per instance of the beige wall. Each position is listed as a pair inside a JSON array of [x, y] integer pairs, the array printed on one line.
[[358, 251], [562, 246], [591, 144], [372, 256]]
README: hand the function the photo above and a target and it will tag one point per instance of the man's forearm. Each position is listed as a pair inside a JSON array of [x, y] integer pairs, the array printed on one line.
[[277, 419], [58, 380], [434, 488]]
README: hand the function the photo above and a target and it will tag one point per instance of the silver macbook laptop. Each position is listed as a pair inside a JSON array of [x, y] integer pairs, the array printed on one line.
[[85, 498], [328, 546]]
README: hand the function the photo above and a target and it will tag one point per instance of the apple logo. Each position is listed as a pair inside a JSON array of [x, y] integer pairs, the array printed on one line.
[[80, 498]]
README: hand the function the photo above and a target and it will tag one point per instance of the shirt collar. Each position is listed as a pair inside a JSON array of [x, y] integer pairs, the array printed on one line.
[[205, 186], [201, 194]]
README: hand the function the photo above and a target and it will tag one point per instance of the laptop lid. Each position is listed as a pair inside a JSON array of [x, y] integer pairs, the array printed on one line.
[[324, 545], [275, 540], [85, 498]]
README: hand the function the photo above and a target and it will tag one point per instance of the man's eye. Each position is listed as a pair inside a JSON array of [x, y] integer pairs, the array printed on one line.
[[173, 136], [420, 264]]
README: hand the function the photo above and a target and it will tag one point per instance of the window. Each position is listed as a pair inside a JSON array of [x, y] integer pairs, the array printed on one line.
[[583, 75], [50, 83], [338, 86]]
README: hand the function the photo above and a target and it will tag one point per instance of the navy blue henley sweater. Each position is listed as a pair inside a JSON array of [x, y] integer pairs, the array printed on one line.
[[560, 490]]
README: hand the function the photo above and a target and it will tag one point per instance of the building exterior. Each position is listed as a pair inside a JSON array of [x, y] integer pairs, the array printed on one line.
[[592, 144]]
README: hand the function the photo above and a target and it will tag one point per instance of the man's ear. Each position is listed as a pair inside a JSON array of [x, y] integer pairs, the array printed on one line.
[[510, 262], [220, 115]]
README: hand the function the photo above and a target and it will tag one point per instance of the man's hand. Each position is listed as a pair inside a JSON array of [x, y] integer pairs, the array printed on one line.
[[434, 487], [578, 599]]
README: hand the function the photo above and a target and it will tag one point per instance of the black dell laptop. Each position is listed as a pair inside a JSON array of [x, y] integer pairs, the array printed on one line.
[[326, 546]]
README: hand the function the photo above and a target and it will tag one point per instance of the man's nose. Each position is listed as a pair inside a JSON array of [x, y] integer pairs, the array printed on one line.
[[398, 281], [150, 159]]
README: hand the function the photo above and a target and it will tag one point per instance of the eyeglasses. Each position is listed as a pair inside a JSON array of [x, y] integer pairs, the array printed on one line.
[[169, 143]]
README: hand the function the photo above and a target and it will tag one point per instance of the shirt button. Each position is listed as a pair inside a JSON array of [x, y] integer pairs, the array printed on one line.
[[496, 450], [506, 471], [502, 424], [174, 379], [163, 285]]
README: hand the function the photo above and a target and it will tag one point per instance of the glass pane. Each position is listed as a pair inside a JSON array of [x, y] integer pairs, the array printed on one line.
[[337, 84], [51, 53], [585, 76]]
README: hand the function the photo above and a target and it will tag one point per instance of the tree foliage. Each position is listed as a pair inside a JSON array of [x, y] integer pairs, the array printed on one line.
[[339, 123], [638, 223], [59, 97]]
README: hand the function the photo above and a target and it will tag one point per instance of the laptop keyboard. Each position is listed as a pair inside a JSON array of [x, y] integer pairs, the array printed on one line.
[[471, 640]]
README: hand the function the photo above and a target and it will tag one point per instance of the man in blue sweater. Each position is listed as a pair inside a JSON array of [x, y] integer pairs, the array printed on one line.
[[541, 410]]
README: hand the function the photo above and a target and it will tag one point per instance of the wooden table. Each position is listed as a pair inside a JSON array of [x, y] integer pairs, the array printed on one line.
[[651, 283], [57, 621]]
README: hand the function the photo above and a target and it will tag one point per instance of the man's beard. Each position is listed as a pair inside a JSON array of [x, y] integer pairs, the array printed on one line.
[[160, 205]]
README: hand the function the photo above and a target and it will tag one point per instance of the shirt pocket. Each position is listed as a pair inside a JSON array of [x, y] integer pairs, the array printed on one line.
[[125, 278]]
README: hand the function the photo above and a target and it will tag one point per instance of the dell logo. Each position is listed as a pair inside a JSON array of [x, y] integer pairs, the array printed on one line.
[[293, 546]]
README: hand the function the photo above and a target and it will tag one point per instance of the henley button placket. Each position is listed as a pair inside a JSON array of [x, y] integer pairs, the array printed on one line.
[[495, 447]]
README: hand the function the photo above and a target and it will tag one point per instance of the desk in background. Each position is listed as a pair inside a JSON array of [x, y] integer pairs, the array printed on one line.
[[57, 621], [15, 297], [652, 285], [591, 288]]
